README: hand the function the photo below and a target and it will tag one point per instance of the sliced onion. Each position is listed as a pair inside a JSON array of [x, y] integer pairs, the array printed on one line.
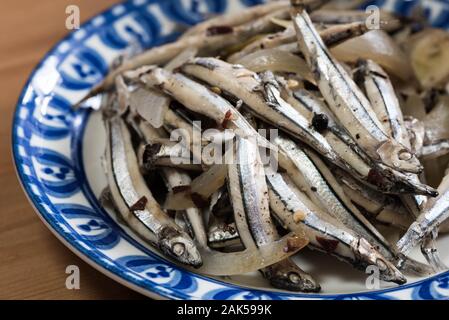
[[434, 170], [181, 58], [429, 55], [379, 47], [123, 94], [437, 121], [400, 220], [202, 187], [277, 61], [150, 105], [228, 264], [282, 22], [444, 228], [414, 107]]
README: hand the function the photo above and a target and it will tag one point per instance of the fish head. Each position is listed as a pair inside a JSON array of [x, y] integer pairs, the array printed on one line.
[[399, 157], [386, 270], [178, 245], [285, 275]]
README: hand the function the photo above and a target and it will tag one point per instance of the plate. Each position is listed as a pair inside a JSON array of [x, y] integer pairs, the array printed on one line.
[[57, 154]]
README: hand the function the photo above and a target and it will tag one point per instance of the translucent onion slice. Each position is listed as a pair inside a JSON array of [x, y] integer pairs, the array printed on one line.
[[429, 55], [444, 228], [282, 22], [228, 264], [150, 105], [181, 58], [201, 188], [399, 220], [379, 47], [413, 106], [436, 122], [435, 169], [277, 61]]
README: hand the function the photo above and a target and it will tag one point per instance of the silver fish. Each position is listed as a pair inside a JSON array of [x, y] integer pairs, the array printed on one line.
[[298, 213], [211, 43], [249, 198], [360, 165], [137, 205], [382, 96], [200, 99], [168, 155], [384, 208], [245, 84], [221, 232], [215, 262], [332, 36], [239, 18], [432, 150], [312, 176], [380, 92], [346, 100], [327, 16], [282, 114], [435, 213], [177, 179]]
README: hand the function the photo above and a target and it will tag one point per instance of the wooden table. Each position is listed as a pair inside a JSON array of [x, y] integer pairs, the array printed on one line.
[[32, 260]]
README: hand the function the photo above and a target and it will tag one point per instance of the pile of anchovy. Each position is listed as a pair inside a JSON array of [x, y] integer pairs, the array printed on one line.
[[348, 159]]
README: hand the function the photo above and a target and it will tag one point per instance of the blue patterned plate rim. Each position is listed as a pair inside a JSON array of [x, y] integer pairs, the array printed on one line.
[[428, 288]]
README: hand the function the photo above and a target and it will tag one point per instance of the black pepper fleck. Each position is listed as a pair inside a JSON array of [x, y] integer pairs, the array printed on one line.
[[320, 122]]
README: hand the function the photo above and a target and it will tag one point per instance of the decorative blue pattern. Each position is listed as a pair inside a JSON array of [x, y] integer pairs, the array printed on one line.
[[55, 181], [52, 121], [82, 69], [90, 225]]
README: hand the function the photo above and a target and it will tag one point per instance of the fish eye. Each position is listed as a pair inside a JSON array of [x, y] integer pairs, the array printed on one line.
[[178, 249], [405, 155]]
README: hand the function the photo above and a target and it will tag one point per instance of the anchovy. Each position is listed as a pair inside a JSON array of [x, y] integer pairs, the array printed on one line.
[[346, 100], [200, 99], [287, 275], [221, 231], [326, 16], [382, 96], [369, 199], [249, 198], [244, 84], [433, 150], [380, 92], [316, 111], [375, 205], [209, 43], [190, 132], [312, 176], [214, 262], [298, 213], [235, 19], [361, 166], [138, 207], [178, 179], [331, 36], [435, 213], [168, 155], [221, 234]]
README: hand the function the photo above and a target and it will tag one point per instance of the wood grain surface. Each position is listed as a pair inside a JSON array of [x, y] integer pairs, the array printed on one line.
[[32, 260]]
